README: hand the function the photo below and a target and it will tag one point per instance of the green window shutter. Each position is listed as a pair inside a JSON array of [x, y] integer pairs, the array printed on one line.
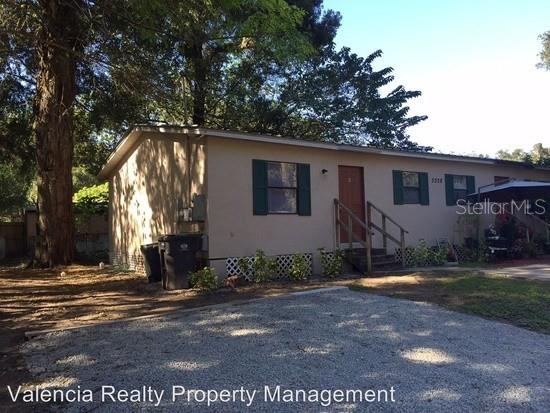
[[471, 184], [259, 187], [424, 188], [449, 190], [304, 189], [398, 187]]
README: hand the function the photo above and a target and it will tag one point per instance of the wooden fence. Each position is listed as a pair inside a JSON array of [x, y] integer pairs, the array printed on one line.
[[91, 237], [15, 238]]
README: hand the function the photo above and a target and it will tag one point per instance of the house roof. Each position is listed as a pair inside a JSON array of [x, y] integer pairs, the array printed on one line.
[[127, 143]]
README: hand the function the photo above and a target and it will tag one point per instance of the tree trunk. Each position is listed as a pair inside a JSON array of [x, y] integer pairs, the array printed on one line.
[[194, 52], [199, 96], [55, 94]]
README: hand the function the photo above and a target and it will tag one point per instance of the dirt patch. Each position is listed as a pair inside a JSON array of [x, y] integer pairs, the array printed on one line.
[[80, 295], [418, 286]]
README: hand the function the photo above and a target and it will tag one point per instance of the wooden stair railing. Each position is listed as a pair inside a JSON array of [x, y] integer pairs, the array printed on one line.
[[535, 222], [348, 227], [369, 226], [384, 230]]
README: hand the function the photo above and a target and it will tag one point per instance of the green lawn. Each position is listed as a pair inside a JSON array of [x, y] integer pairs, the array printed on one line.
[[520, 302], [474, 264]]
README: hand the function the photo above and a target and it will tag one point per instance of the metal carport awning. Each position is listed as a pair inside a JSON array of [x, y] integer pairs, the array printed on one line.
[[516, 190]]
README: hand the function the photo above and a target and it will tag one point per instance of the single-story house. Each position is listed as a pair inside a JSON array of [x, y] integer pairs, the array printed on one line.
[[247, 191]]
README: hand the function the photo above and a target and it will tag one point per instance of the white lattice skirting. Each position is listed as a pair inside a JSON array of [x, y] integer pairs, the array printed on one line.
[[284, 264], [126, 261], [463, 254]]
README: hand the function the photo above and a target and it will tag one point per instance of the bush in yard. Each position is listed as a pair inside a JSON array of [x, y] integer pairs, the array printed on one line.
[[263, 267], [483, 253], [204, 280], [91, 200], [439, 256], [332, 263], [521, 248], [422, 255], [299, 271], [243, 265]]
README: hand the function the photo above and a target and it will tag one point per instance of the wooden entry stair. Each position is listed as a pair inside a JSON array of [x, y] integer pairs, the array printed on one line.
[[359, 252]]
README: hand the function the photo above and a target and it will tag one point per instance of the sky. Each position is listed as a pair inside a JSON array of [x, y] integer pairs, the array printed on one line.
[[473, 61]]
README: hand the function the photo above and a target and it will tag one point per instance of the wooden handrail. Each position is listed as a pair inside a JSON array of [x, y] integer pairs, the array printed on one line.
[[351, 213], [349, 229], [386, 216], [368, 227], [350, 232], [535, 218], [367, 244], [385, 233]]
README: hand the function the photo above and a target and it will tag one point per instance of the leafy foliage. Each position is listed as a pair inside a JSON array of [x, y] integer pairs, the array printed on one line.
[[334, 96], [521, 247], [15, 186], [544, 54], [205, 280], [332, 264], [263, 267], [83, 178], [539, 155], [264, 66], [422, 255], [243, 265], [17, 161], [267, 66], [92, 200], [299, 270]]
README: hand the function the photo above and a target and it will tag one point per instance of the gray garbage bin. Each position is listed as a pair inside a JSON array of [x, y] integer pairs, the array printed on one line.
[[178, 257]]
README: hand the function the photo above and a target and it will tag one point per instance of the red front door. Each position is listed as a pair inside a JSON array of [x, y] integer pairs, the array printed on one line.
[[351, 191]]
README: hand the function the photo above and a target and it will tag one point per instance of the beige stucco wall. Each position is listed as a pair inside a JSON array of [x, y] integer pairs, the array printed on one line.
[[144, 192], [235, 231]]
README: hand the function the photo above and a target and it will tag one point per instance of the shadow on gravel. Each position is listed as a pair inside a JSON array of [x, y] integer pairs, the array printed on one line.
[[435, 359]]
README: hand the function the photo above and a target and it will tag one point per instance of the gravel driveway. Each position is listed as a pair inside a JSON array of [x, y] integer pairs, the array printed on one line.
[[536, 272], [436, 360]]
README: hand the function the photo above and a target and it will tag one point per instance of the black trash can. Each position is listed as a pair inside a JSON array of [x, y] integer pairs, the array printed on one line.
[[178, 257], [151, 258]]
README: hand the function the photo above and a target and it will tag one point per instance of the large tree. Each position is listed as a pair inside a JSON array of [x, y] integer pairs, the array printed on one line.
[[42, 43], [120, 54], [78, 73], [60, 43]]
